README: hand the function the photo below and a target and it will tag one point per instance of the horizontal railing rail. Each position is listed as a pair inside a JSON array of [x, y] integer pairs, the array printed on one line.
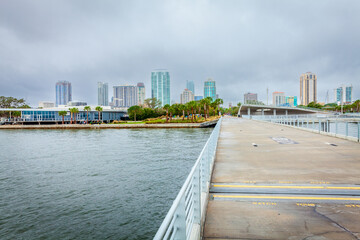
[[339, 126], [185, 217]]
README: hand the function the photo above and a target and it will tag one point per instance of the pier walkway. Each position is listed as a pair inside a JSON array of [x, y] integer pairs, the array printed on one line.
[[275, 182]]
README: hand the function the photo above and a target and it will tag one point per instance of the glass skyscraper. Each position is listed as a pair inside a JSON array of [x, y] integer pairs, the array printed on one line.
[[103, 94], [343, 94], [63, 93], [160, 86], [125, 96], [190, 85], [210, 89], [141, 93]]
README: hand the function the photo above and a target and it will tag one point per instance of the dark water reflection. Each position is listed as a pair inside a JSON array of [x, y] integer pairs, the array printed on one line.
[[92, 184]]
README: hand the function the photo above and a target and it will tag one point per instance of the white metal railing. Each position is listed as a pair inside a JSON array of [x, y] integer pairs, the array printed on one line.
[[185, 217], [341, 126]]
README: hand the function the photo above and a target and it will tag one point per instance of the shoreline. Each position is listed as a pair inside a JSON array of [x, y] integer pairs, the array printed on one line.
[[113, 126]]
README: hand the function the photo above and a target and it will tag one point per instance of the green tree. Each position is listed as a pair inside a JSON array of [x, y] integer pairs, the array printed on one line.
[[182, 108], [152, 103], [87, 109], [206, 103], [62, 114], [133, 110], [218, 102], [167, 107], [192, 106], [99, 110], [11, 102]]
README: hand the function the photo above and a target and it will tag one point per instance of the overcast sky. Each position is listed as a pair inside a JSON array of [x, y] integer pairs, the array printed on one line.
[[243, 45]]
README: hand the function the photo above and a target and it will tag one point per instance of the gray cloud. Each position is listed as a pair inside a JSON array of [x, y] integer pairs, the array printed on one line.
[[243, 45]]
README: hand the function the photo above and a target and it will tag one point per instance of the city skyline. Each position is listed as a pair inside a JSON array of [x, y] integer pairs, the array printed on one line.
[[35, 56]]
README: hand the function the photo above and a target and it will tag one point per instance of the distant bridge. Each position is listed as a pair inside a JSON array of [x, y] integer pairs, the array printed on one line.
[[250, 109]]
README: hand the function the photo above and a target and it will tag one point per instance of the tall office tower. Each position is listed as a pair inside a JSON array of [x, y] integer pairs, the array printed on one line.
[[279, 98], [125, 96], [103, 94], [307, 88], [343, 94], [210, 89], [291, 101], [190, 85], [250, 98], [160, 86], [63, 92], [141, 93], [186, 96], [198, 98]]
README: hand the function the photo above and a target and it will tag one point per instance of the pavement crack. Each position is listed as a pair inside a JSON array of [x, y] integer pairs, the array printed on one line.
[[336, 223]]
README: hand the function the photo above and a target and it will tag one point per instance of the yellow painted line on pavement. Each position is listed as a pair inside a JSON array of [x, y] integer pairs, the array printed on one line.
[[286, 197], [287, 187]]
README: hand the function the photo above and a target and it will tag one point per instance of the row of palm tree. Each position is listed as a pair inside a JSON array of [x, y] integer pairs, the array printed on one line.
[[193, 107], [74, 111]]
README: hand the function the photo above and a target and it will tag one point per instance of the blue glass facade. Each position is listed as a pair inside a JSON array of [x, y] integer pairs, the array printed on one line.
[[53, 115], [63, 93], [190, 85], [210, 89], [160, 86]]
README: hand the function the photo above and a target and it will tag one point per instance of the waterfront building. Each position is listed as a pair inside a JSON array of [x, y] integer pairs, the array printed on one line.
[[291, 101], [160, 86], [198, 98], [45, 104], [76, 103], [343, 94], [186, 96], [250, 98], [210, 89], [278, 98], [125, 96], [63, 92], [308, 82], [141, 93], [103, 94], [51, 115], [190, 85]]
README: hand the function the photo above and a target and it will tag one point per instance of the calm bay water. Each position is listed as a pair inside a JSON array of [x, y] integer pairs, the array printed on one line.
[[92, 184]]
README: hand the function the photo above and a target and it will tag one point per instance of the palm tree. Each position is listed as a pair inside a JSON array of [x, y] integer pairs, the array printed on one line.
[[218, 102], [167, 107], [87, 109], [206, 102], [192, 106], [73, 112], [99, 109], [182, 109], [62, 114]]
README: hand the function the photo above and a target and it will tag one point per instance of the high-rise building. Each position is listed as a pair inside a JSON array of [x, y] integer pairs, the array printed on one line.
[[210, 89], [343, 94], [190, 85], [141, 93], [63, 92], [186, 96], [291, 101], [103, 94], [160, 86], [278, 98], [198, 98], [125, 96], [250, 98], [308, 83]]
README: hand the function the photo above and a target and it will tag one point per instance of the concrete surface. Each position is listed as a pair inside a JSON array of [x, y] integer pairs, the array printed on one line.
[[273, 182]]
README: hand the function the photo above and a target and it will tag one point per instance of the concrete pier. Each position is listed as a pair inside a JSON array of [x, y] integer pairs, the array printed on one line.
[[276, 182]]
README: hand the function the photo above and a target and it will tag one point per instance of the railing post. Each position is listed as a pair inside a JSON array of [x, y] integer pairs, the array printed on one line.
[[358, 127], [180, 221], [347, 128], [319, 125], [336, 126], [197, 197]]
